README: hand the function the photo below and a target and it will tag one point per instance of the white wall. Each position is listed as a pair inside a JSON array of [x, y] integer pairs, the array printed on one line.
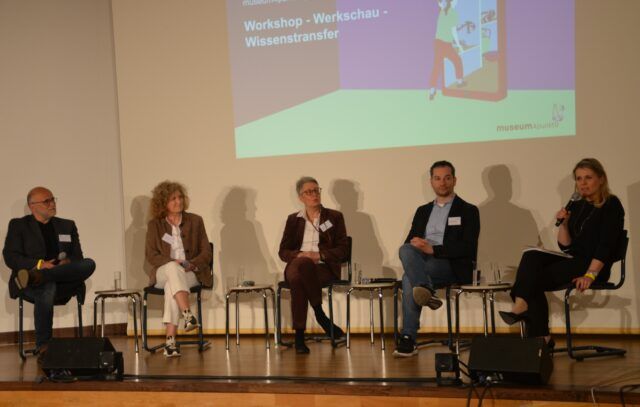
[[59, 128]]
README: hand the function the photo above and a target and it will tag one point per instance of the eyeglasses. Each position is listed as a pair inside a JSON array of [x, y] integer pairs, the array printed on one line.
[[310, 192], [46, 202]]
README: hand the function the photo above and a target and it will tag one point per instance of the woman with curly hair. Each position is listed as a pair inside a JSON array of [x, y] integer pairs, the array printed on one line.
[[177, 247]]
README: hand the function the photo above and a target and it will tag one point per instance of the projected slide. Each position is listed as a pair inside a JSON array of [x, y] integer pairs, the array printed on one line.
[[311, 76]]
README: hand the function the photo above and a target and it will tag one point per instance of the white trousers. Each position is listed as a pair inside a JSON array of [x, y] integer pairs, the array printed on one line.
[[172, 278]]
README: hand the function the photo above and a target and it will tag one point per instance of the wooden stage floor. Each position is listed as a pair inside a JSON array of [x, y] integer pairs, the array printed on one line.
[[365, 368]]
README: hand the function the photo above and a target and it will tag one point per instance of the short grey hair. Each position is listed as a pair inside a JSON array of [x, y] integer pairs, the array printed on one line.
[[304, 180]]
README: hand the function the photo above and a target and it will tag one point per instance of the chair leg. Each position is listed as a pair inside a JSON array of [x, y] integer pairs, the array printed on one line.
[[273, 304], [278, 317], [145, 344], [371, 316], [380, 302], [226, 324], [449, 329], [201, 342], [237, 319], [331, 333], [80, 329], [134, 305], [349, 318], [266, 319], [95, 315], [580, 353], [23, 355], [396, 334]]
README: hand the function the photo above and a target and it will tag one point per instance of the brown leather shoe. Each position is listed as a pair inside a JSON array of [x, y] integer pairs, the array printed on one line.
[[22, 278]]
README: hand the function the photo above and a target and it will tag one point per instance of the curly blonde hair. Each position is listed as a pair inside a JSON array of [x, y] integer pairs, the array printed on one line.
[[161, 194]]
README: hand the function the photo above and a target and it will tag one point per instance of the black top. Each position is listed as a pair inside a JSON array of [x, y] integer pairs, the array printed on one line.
[[596, 232], [50, 240], [460, 242]]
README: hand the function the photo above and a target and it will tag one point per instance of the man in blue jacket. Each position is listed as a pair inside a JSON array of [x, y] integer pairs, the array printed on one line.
[[46, 261], [439, 250]]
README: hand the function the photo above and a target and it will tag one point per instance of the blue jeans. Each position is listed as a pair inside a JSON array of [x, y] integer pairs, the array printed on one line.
[[420, 269], [58, 286]]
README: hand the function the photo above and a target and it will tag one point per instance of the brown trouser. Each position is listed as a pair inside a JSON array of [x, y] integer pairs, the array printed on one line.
[[306, 280]]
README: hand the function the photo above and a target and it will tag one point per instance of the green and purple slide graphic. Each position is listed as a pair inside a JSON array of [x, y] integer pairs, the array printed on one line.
[[313, 76]]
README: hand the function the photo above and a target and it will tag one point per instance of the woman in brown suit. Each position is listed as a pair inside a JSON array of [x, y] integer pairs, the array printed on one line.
[[314, 245], [178, 249]]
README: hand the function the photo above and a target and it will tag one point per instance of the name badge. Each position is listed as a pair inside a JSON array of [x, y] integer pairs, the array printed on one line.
[[326, 226], [167, 238], [64, 238], [454, 221]]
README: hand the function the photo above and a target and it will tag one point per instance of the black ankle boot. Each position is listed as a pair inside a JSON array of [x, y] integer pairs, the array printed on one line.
[[301, 348], [325, 323]]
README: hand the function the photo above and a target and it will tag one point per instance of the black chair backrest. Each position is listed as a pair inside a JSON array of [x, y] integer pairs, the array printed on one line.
[[211, 268], [621, 255], [349, 270]]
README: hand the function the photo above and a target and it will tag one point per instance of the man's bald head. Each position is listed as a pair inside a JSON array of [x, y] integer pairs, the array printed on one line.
[[37, 191], [42, 204]]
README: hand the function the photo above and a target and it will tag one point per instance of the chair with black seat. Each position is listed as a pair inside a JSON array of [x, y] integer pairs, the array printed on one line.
[[284, 285], [580, 353], [79, 295], [197, 290]]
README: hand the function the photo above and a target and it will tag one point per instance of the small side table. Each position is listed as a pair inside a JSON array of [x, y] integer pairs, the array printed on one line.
[[263, 289], [487, 291], [136, 300], [371, 287]]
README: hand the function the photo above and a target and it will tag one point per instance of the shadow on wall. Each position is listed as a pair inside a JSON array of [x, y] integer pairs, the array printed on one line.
[[505, 227], [367, 251], [135, 237], [243, 248]]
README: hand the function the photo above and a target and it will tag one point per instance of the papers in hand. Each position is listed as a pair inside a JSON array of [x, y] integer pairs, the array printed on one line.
[[543, 250]]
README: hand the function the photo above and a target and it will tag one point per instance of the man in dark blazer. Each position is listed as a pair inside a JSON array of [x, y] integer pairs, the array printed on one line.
[[46, 261], [439, 250]]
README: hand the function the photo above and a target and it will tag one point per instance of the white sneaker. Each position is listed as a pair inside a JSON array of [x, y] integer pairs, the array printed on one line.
[[171, 352], [170, 348], [190, 323]]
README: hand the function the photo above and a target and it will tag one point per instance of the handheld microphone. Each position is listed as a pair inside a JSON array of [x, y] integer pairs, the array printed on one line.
[[574, 197]]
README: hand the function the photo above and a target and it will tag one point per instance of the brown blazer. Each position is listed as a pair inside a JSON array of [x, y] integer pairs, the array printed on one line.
[[333, 244], [196, 246]]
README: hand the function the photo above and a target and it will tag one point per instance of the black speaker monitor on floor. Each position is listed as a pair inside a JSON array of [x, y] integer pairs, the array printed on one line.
[[88, 358], [513, 359]]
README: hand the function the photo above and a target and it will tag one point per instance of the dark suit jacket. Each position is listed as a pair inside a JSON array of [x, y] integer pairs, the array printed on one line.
[[24, 245], [194, 239], [333, 244], [460, 243]]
